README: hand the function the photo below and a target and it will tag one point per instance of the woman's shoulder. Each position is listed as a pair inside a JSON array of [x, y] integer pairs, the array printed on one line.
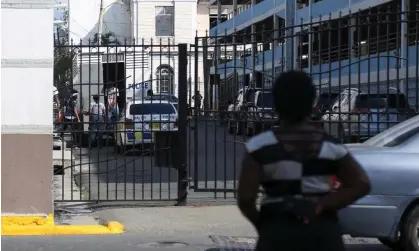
[[333, 148], [260, 141]]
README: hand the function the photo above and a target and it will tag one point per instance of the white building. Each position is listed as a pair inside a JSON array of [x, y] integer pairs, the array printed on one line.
[[155, 26]]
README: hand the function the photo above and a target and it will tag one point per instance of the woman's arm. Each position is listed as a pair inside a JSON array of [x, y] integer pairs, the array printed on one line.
[[248, 189], [355, 184], [76, 112]]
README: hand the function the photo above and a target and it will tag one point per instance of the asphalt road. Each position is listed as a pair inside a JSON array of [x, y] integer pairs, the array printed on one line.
[[127, 243], [206, 228], [213, 162]]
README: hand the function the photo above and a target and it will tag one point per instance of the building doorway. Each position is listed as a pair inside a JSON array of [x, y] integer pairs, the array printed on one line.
[[114, 77]]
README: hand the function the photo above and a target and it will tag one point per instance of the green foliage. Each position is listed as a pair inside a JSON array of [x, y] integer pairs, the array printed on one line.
[[63, 54], [108, 38]]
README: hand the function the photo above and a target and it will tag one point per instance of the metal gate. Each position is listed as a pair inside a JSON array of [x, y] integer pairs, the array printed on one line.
[[364, 66], [120, 120], [358, 60]]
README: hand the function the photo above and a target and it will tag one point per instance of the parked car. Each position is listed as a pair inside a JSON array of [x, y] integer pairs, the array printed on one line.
[[358, 116], [142, 119], [323, 102], [391, 211], [251, 111]]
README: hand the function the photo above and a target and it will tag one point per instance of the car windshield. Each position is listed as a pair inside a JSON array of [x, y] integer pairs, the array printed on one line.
[[265, 100], [370, 101], [391, 100], [400, 131], [395, 100], [169, 98], [326, 99], [151, 108]]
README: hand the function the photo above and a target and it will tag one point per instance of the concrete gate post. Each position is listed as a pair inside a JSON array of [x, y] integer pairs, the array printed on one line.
[[26, 111]]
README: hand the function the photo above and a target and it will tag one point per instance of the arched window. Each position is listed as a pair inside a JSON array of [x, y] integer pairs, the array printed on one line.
[[165, 80]]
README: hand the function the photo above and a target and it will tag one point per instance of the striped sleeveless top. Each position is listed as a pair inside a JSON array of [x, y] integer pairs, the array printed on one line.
[[299, 163]]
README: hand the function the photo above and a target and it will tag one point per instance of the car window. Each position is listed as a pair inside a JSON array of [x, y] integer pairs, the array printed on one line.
[[395, 100], [265, 100], [152, 108], [236, 98], [412, 143], [370, 101], [340, 100], [394, 132], [326, 99], [403, 138], [174, 99], [342, 103], [239, 97]]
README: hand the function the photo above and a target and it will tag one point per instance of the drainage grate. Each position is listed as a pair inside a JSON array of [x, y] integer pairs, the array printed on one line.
[[162, 244], [234, 242]]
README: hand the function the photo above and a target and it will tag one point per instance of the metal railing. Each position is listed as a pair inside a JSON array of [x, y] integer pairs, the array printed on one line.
[[372, 79]]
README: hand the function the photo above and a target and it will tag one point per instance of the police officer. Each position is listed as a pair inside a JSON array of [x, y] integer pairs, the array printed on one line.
[[71, 118], [197, 101], [294, 163]]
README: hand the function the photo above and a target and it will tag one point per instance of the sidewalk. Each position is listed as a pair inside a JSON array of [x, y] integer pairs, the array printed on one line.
[[65, 189], [196, 223], [222, 226]]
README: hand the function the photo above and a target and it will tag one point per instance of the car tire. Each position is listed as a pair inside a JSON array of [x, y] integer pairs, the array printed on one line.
[[340, 134], [239, 128], [85, 140], [394, 245], [230, 127], [409, 239], [257, 128], [249, 130], [119, 149]]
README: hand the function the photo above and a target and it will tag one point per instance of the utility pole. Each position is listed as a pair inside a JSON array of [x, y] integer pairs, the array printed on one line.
[[100, 25]]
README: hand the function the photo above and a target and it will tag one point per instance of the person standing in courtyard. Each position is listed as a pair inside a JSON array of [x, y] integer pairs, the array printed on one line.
[[295, 164], [71, 118], [97, 113], [197, 98]]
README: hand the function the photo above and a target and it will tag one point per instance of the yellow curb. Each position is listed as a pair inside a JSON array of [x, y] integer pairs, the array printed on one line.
[[40, 225], [24, 220]]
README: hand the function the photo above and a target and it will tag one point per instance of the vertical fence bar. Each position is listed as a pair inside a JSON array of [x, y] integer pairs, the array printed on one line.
[[196, 114], [182, 133]]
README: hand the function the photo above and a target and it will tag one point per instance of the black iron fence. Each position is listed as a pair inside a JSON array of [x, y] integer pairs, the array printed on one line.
[[364, 64], [172, 116], [121, 117]]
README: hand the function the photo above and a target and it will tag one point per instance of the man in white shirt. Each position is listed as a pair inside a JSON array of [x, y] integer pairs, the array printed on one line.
[[97, 114]]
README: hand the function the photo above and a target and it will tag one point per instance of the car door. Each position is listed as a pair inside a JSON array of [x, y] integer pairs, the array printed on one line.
[[378, 214]]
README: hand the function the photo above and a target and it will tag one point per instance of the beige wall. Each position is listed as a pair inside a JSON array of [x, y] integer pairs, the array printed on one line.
[[26, 126], [203, 23], [26, 175]]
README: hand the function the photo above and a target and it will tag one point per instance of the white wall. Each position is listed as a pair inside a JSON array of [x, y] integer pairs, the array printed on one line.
[[185, 20], [26, 71], [203, 23], [143, 30], [84, 18]]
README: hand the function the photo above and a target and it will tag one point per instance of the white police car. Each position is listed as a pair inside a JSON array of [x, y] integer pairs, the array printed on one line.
[[143, 118]]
